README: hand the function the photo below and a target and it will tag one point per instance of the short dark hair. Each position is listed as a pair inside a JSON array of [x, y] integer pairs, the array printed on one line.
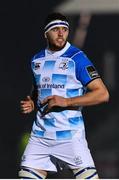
[[55, 16]]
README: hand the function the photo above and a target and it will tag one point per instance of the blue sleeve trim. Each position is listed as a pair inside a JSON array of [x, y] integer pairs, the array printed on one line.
[[92, 80]]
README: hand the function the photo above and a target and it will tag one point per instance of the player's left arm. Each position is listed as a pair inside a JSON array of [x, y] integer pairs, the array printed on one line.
[[97, 94]]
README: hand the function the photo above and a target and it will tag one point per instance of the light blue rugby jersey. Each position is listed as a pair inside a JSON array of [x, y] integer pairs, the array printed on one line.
[[65, 73]]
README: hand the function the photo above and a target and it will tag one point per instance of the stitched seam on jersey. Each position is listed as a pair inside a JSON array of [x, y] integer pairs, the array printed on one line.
[[75, 64], [76, 54]]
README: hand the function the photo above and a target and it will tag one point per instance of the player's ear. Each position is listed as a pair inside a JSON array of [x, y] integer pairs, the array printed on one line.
[[45, 34]]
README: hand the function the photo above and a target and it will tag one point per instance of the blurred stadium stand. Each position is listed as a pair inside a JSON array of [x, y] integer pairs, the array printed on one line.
[[95, 29]]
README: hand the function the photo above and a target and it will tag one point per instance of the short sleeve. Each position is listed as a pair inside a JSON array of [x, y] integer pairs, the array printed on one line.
[[85, 70]]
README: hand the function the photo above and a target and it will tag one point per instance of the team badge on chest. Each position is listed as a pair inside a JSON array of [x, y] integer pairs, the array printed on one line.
[[64, 64]]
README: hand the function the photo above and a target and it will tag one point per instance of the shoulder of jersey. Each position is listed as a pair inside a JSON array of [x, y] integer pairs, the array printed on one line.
[[71, 52], [39, 55]]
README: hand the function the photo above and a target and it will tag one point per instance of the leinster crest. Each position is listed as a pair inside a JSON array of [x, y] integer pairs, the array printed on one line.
[[64, 64]]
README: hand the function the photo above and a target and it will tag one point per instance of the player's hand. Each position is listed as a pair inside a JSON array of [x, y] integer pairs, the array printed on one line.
[[51, 103], [27, 105]]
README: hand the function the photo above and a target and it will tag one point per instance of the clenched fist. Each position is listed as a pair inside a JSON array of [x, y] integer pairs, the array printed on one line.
[[27, 105], [51, 103]]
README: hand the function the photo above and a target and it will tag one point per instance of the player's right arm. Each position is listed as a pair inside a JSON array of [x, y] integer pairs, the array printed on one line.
[[28, 105]]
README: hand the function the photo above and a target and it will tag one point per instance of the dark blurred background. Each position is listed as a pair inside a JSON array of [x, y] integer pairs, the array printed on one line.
[[94, 30]]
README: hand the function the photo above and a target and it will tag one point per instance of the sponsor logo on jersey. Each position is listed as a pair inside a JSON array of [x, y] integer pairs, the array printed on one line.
[[50, 86], [45, 79], [37, 65], [92, 72], [78, 160]]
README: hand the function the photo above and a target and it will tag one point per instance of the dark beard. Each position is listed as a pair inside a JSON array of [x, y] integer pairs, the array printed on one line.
[[53, 47]]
